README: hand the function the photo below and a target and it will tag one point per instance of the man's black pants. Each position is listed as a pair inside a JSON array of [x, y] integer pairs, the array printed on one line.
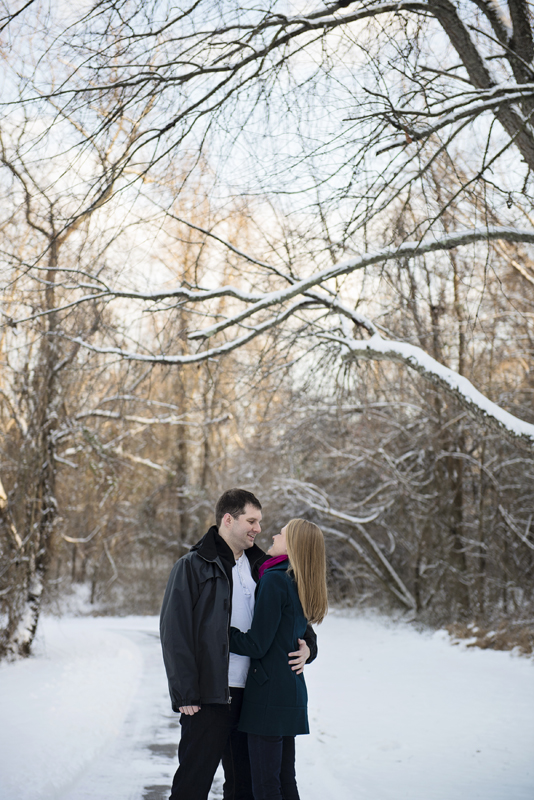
[[209, 737]]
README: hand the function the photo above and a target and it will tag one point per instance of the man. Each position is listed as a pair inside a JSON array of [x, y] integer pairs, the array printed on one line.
[[209, 589]]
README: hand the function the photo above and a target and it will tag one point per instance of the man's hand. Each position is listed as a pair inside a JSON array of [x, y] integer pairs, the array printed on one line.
[[299, 658], [189, 710]]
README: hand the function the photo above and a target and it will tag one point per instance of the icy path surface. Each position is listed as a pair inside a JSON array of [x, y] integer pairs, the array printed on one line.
[[394, 715]]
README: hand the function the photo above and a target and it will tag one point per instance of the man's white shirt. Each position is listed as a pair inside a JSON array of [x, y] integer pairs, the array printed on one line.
[[244, 587]]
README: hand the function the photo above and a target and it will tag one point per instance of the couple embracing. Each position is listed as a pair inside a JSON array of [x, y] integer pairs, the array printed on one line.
[[236, 633]]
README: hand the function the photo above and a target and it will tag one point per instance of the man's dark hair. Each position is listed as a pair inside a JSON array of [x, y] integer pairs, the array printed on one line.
[[233, 502]]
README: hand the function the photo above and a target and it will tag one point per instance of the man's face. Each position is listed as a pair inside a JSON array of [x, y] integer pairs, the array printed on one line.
[[240, 532]]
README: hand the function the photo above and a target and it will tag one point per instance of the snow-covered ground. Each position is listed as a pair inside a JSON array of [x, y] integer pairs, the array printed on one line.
[[394, 714]]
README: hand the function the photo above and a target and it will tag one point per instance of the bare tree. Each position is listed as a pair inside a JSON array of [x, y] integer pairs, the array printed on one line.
[[439, 74], [385, 145]]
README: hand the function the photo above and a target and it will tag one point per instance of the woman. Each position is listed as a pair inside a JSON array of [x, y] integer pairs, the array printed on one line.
[[291, 592]]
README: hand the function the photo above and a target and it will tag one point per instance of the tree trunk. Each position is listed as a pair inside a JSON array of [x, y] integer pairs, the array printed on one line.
[[35, 490]]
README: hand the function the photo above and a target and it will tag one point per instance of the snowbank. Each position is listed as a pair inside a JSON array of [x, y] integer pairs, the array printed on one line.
[[400, 715], [61, 707]]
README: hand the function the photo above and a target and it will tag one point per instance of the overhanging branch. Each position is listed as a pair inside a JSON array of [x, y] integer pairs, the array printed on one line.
[[481, 407]]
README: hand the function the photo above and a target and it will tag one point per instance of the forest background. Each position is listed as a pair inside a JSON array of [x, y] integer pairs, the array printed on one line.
[[286, 247]]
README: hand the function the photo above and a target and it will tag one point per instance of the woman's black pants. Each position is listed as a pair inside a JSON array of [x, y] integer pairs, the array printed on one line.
[[272, 765]]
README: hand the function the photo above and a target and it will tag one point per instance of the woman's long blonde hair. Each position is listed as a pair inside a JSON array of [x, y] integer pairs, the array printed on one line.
[[305, 548]]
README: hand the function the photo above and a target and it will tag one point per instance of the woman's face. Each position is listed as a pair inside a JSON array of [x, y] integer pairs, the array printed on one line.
[[278, 547]]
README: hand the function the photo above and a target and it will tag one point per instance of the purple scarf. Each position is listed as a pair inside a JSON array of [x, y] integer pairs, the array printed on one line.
[[271, 562]]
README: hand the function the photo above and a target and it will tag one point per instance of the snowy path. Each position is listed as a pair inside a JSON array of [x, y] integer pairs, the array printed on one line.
[[395, 715], [137, 763]]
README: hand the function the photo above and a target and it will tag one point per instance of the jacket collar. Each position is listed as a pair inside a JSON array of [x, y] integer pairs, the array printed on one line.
[[207, 548]]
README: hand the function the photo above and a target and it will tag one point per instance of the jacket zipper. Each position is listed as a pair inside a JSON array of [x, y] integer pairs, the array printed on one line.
[[227, 627], [228, 640]]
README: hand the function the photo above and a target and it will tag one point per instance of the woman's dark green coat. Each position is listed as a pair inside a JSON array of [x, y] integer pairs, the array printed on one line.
[[275, 699]]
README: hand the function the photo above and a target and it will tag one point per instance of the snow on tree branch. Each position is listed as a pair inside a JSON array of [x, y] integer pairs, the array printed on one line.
[[203, 355], [468, 105], [455, 385], [257, 301], [406, 250], [376, 347]]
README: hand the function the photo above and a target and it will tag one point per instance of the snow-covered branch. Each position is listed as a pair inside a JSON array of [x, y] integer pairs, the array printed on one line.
[[513, 527], [455, 385], [259, 301], [367, 548], [202, 355], [311, 292], [357, 523], [468, 106], [369, 563], [405, 250], [139, 419]]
